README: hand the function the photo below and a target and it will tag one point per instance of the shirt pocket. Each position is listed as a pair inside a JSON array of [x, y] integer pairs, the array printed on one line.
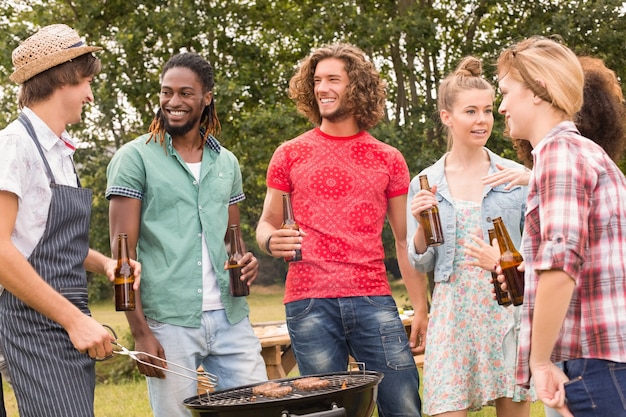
[[77, 296], [509, 205], [219, 186]]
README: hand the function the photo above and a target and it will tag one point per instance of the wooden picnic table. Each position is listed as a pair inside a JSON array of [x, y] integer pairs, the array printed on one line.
[[276, 347]]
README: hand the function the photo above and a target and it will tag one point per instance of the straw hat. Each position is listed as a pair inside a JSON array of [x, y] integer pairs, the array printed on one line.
[[50, 46]]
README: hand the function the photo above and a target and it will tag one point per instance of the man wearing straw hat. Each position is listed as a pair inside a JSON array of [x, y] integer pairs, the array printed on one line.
[[50, 340]]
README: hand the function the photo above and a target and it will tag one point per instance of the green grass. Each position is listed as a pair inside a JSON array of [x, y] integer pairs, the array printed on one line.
[[130, 399]]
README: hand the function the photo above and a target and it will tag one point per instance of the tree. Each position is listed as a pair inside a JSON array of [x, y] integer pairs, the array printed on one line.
[[255, 46]]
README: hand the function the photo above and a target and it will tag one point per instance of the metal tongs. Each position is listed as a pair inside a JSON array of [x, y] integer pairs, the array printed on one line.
[[205, 380]]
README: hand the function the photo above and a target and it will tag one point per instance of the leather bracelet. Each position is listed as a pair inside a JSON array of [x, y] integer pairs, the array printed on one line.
[[267, 244]]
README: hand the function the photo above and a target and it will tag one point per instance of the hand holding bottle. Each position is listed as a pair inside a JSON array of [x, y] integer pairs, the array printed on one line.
[[424, 209], [124, 277], [486, 256], [284, 243], [290, 223], [510, 259], [241, 265], [249, 269]]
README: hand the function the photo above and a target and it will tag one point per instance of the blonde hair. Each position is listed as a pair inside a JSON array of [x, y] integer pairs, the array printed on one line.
[[549, 69], [602, 118], [467, 76]]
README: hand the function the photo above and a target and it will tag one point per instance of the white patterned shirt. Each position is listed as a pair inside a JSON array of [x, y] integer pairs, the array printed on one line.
[[23, 173]]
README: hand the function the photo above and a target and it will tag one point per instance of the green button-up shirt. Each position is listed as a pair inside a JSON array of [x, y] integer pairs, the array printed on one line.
[[177, 212]]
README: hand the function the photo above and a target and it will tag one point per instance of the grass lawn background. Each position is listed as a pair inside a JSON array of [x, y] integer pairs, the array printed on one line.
[[131, 399]]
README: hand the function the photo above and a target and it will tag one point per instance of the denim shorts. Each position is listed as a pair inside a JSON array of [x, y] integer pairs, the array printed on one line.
[[596, 387]]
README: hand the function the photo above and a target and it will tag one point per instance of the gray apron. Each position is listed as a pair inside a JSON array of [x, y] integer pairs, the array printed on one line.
[[50, 377]]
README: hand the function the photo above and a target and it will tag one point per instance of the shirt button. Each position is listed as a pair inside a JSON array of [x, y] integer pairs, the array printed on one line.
[[199, 263], [199, 290], [199, 234], [195, 183], [489, 219], [200, 207]]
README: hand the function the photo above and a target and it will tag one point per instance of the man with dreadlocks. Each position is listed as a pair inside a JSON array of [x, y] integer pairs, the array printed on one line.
[[174, 191]]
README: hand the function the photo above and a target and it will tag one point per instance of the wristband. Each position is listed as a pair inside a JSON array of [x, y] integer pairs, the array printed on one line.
[[267, 244]]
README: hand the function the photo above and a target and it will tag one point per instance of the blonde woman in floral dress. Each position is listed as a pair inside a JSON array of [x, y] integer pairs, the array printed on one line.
[[471, 340]]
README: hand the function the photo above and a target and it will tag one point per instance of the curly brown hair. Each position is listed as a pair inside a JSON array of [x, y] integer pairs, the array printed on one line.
[[602, 117], [365, 95]]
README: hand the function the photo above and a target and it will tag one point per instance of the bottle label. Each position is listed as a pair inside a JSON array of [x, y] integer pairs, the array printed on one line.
[[125, 270], [124, 280]]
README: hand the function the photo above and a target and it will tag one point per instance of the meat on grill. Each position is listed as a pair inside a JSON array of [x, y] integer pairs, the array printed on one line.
[[272, 389], [310, 383]]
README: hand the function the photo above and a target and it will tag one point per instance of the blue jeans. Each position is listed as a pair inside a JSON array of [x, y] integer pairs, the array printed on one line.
[[324, 332], [596, 387], [231, 352]]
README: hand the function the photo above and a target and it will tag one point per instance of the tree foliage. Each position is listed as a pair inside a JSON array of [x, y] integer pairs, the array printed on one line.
[[255, 45]]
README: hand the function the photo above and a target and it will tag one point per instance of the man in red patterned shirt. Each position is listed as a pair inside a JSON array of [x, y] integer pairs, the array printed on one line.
[[343, 184]]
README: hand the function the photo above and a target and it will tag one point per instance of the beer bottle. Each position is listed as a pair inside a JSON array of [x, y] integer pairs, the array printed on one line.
[[238, 288], [502, 297], [124, 278], [510, 259], [289, 222], [430, 219]]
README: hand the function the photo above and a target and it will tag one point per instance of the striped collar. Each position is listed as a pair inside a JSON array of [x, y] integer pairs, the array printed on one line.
[[211, 142]]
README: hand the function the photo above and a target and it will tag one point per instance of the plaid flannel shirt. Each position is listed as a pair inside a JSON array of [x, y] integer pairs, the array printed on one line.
[[576, 223]]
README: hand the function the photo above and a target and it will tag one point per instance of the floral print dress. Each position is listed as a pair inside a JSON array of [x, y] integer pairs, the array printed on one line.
[[464, 365]]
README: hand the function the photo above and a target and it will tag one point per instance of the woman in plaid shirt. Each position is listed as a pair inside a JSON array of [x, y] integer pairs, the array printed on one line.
[[574, 238]]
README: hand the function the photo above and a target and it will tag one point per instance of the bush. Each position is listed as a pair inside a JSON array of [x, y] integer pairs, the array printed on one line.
[[99, 288]]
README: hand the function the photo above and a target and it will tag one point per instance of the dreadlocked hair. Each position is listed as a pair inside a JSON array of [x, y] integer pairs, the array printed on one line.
[[209, 123]]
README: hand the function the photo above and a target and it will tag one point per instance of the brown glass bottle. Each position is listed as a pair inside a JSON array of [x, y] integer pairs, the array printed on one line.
[[124, 277], [289, 222], [510, 259], [430, 219], [238, 288], [502, 297]]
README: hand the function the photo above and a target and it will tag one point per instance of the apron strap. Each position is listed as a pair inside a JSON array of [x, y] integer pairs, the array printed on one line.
[[31, 132]]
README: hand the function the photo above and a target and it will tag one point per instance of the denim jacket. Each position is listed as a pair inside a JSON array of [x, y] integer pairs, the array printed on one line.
[[496, 202]]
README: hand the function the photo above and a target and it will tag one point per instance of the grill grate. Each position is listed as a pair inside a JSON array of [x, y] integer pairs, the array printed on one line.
[[244, 395]]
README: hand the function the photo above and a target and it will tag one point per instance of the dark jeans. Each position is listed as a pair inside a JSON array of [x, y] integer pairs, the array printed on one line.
[[596, 388]]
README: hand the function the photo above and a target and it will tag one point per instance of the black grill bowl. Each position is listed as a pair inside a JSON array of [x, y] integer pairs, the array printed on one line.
[[354, 391]]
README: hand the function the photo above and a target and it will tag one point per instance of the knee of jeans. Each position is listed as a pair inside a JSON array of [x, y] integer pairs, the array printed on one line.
[[399, 386]]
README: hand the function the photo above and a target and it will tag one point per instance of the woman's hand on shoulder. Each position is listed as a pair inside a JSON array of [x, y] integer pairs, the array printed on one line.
[[512, 176]]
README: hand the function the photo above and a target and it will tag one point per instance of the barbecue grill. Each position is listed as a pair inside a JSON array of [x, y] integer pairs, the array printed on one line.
[[350, 394]]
